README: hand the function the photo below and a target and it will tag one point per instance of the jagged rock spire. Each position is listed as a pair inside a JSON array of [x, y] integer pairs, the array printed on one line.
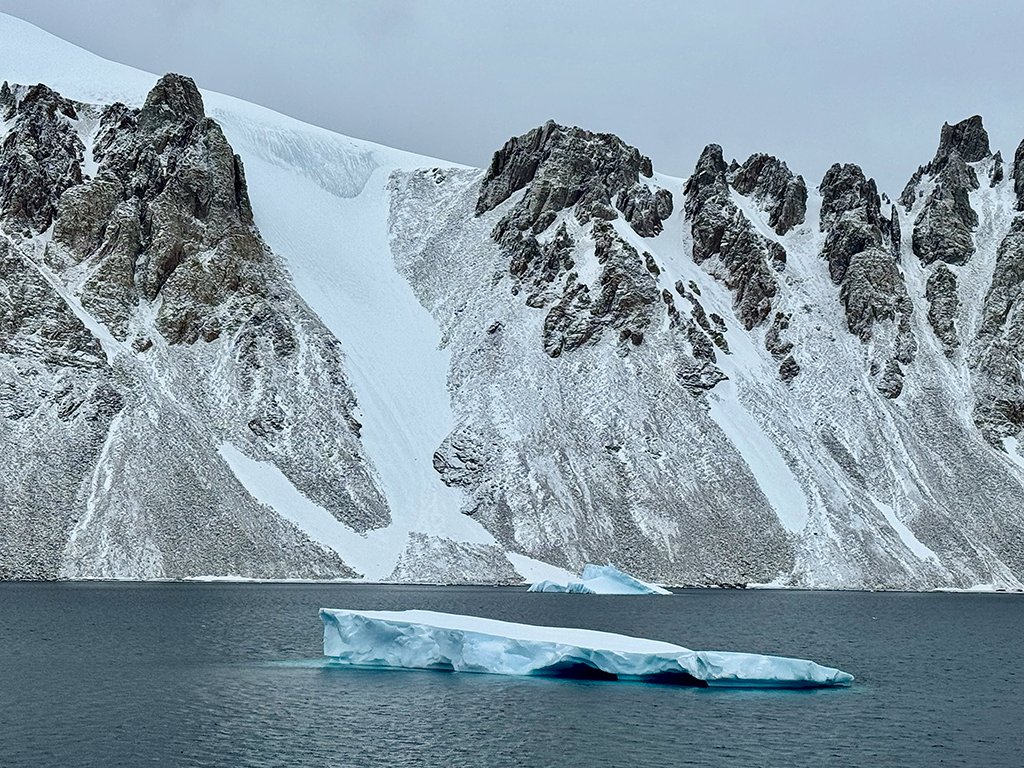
[[174, 96], [769, 181], [1018, 176], [968, 138]]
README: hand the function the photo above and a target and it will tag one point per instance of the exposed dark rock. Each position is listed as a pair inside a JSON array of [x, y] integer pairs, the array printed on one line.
[[769, 181], [789, 369], [625, 297], [967, 138], [776, 255], [862, 249], [895, 235], [627, 291], [643, 209], [593, 174], [997, 173], [711, 326], [167, 216], [6, 100], [538, 267], [35, 323], [997, 358], [872, 291], [773, 340], [891, 382], [40, 157], [941, 292], [943, 229], [850, 216], [700, 376], [720, 229], [571, 168], [1018, 175]]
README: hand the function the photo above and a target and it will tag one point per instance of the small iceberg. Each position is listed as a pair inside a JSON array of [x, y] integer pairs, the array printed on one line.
[[601, 580], [453, 643]]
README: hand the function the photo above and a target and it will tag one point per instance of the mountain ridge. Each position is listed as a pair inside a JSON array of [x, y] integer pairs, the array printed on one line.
[[564, 357]]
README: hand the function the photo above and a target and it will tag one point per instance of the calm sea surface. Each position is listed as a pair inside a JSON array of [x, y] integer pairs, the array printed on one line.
[[212, 675]]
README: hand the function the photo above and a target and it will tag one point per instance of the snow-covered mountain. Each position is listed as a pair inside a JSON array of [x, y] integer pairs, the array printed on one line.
[[235, 344]]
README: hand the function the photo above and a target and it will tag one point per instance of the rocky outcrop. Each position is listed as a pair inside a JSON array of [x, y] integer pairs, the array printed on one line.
[[770, 182], [561, 168], [40, 158], [997, 357], [943, 301], [720, 230], [943, 228], [622, 300], [862, 251], [597, 176], [967, 138], [873, 291], [851, 217], [859, 245], [1018, 175], [134, 283], [942, 231]]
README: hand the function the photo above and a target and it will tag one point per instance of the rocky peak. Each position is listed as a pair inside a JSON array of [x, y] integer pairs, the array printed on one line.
[[862, 250], [174, 98], [720, 229], [1018, 176], [561, 167], [846, 189], [6, 100], [597, 176], [769, 181], [40, 157], [968, 139], [167, 214], [851, 217], [708, 178], [965, 142]]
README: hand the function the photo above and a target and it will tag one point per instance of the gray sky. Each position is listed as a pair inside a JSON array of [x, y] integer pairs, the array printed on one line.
[[812, 81]]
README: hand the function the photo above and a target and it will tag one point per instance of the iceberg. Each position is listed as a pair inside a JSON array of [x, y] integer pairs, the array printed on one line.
[[600, 580], [454, 643]]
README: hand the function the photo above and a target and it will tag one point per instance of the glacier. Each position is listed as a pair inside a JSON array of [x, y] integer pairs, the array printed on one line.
[[454, 643], [600, 580]]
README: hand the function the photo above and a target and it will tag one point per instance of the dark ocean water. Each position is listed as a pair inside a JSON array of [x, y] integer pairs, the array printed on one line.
[[213, 675]]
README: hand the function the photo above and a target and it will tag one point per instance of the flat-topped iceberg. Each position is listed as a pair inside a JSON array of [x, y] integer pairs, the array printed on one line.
[[453, 643], [601, 580]]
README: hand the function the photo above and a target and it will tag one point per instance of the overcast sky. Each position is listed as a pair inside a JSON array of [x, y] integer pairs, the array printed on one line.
[[811, 81]]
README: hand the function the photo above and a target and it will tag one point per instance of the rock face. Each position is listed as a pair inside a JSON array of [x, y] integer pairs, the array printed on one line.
[[597, 177], [942, 306], [942, 230], [137, 287], [844, 368], [997, 355], [1018, 176], [862, 251], [769, 181], [720, 230]]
